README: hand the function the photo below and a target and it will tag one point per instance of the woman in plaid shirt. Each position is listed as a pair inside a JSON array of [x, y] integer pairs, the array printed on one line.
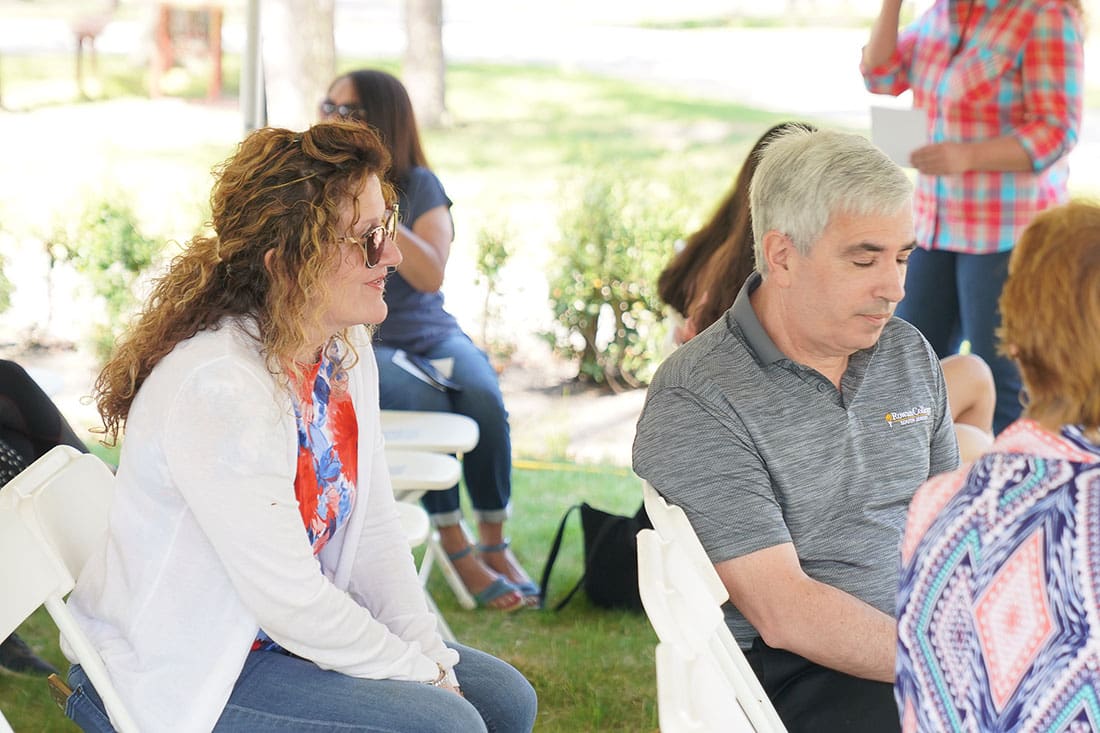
[[1001, 83]]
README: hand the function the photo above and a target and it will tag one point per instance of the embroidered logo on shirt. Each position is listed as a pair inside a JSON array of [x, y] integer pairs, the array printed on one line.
[[909, 417]]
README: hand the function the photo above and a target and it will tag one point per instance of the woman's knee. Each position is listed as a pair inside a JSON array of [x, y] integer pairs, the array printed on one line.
[[448, 713], [970, 390], [487, 409], [504, 697]]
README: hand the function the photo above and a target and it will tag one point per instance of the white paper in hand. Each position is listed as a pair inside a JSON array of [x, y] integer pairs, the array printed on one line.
[[898, 132]]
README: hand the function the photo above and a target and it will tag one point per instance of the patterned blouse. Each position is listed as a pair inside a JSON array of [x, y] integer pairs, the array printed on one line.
[[328, 462], [328, 441], [980, 70], [999, 599]]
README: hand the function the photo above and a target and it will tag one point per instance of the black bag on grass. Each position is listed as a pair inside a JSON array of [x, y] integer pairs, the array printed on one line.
[[610, 576]]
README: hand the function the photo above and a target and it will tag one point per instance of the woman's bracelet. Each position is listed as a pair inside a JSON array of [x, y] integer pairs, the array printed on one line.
[[441, 680]]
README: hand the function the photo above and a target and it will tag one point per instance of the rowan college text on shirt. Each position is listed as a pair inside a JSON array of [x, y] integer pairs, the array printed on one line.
[[909, 417]]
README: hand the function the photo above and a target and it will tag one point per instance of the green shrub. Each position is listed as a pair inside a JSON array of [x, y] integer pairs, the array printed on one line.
[[493, 253], [6, 287], [108, 247], [614, 243]]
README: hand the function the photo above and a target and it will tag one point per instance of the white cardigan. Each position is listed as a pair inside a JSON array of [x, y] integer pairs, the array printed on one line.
[[207, 545]]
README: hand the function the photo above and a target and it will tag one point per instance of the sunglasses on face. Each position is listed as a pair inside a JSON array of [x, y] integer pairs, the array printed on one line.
[[374, 241], [329, 108]]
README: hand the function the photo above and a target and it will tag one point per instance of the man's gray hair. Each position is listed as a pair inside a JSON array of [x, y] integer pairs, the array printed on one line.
[[805, 177]]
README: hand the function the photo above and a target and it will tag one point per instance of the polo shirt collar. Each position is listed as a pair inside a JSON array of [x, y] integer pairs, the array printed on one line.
[[745, 318], [768, 353]]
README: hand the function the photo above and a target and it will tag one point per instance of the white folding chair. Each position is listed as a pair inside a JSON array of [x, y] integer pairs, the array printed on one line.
[[682, 595], [439, 433], [4, 726], [672, 524], [417, 526], [413, 472], [52, 516], [415, 522], [692, 696]]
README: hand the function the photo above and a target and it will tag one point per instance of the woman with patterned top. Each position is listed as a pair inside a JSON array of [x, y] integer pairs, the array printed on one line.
[[420, 333], [256, 575], [1001, 82], [998, 618]]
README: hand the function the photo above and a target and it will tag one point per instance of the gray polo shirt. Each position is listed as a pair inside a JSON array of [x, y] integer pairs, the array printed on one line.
[[761, 451]]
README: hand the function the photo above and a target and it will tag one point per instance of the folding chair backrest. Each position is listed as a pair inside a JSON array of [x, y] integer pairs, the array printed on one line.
[[70, 495], [693, 696], [684, 614], [415, 522], [27, 575], [672, 524], [53, 515], [47, 528], [681, 611]]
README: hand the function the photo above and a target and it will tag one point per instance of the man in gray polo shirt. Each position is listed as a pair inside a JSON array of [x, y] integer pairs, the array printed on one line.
[[795, 430]]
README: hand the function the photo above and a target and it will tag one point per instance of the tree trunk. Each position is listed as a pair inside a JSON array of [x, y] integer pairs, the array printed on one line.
[[299, 57], [424, 64]]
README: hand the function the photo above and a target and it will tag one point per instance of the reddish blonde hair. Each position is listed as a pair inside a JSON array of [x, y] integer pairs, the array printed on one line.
[[1050, 314], [282, 191]]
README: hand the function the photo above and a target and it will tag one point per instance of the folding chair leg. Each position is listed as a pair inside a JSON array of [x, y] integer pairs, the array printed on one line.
[[59, 690], [435, 549], [426, 563]]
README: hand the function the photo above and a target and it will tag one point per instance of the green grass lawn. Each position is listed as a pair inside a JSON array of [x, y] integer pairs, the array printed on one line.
[[592, 668]]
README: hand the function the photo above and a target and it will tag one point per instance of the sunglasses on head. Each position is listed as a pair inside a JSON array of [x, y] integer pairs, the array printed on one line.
[[374, 241], [328, 107]]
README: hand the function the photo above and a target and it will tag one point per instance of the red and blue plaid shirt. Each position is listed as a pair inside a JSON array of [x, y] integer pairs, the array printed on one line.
[[982, 71]]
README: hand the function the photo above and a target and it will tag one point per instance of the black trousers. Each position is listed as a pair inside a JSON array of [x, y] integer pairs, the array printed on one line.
[[814, 699]]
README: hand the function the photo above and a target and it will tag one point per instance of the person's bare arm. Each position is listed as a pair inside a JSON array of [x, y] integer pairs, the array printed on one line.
[[817, 621], [1004, 153], [426, 248], [884, 35]]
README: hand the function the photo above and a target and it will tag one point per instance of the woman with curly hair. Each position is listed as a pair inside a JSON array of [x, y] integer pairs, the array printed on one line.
[[256, 575]]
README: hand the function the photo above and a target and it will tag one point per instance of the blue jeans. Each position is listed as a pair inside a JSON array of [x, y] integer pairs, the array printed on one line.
[[277, 692], [488, 467], [952, 297]]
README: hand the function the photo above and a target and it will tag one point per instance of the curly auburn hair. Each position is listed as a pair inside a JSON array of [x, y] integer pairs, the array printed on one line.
[[1050, 314], [283, 192]]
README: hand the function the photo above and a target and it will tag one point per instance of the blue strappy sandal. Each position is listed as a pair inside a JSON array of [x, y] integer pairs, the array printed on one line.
[[499, 587], [529, 589]]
